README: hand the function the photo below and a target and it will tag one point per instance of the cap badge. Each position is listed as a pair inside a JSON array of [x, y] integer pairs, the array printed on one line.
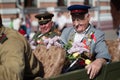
[[42, 18]]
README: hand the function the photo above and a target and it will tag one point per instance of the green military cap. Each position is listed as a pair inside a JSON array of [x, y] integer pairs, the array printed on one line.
[[44, 18]]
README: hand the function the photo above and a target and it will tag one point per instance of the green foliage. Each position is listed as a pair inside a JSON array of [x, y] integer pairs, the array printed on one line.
[[68, 45]]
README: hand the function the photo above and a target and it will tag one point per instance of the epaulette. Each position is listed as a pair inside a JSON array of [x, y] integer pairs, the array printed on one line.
[[3, 38]]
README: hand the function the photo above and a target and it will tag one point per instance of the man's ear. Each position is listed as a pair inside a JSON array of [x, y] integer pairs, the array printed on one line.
[[87, 16]]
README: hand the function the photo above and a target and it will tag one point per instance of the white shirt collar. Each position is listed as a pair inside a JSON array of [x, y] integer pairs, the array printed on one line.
[[79, 36]]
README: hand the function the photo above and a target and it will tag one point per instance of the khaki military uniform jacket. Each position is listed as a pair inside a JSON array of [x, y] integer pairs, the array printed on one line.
[[16, 60]]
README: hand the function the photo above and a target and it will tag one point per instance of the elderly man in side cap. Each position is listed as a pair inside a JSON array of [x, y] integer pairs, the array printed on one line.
[[82, 31], [17, 61], [47, 28]]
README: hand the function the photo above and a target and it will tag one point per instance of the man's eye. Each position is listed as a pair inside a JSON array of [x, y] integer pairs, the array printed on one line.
[[75, 19]]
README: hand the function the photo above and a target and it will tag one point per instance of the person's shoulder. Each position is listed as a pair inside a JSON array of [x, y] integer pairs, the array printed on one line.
[[97, 30], [13, 34], [14, 39]]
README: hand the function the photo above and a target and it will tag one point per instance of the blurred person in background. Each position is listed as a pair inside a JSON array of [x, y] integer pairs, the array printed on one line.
[[17, 61], [11, 22], [60, 21], [28, 25], [68, 19], [22, 28], [16, 22], [115, 12]]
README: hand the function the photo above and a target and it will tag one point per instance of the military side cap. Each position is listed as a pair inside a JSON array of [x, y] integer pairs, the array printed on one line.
[[44, 18], [78, 8]]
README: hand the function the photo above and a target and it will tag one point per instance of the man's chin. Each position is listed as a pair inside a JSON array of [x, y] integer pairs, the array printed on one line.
[[45, 31], [78, 30]]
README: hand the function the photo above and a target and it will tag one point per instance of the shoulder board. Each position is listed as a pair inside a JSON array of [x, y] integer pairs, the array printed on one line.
[[3, 38]]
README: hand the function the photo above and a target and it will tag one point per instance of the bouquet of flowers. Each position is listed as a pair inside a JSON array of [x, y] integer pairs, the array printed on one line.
[[52, 41], [78, 53]]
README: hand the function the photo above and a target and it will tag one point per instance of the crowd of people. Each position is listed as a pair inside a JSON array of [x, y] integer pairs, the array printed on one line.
[[19, 63]]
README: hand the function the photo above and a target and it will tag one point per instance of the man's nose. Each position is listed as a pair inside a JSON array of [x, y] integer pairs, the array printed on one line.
[[76, 22], [42, 25]]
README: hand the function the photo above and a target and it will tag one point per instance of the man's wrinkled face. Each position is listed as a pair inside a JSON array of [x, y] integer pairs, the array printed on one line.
[[44, 28], [80, 21]]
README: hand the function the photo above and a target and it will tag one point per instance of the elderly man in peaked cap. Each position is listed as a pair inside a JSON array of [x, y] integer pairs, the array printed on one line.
[[80, 33], [47, 28]]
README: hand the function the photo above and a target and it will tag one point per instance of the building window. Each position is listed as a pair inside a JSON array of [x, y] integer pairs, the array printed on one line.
[[30, 3]]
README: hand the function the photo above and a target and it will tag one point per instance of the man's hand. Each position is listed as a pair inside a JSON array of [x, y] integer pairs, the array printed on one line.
[[94, 68]]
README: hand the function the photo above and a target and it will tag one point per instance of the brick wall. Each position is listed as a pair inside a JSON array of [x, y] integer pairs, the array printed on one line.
[[7, 5], [46, 4]]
